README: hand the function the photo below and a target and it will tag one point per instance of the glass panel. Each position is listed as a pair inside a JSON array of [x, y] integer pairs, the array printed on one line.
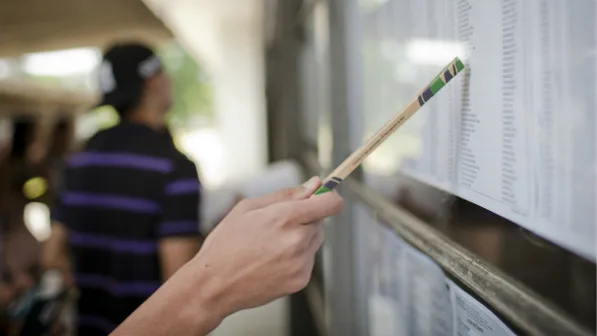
[[410, 294], [502, 160]]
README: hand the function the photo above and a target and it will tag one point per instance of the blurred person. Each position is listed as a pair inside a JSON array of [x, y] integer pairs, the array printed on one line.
[[129, 205], [59, 149], [20, 249], [7, 293], [14, 286]]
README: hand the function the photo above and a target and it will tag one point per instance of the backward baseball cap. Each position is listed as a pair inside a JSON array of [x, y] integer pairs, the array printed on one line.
[[123, 71]]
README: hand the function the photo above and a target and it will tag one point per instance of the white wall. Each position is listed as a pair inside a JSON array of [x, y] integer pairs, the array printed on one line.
[[226, 37]]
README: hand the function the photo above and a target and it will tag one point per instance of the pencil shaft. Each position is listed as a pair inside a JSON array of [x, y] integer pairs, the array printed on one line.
[[359, 155]]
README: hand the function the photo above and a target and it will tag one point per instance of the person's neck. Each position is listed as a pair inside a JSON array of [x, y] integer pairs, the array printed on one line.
[[147, 117]]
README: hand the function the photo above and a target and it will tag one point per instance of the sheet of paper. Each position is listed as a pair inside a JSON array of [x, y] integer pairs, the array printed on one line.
[[516, 134], [471, 318], [382, 316], [386, 318], [425, 296], [411, 296]]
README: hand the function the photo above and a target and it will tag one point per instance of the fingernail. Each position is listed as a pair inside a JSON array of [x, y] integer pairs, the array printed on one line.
[[312, 183]]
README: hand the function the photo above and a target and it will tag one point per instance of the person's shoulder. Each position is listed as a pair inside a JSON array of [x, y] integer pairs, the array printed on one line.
[[106, 138], [181, 160], [97, 139], [130, 138], [183, 165]]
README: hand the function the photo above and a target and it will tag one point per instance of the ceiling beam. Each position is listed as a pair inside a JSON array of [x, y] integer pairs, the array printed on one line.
[[31, 25], [22, 97]]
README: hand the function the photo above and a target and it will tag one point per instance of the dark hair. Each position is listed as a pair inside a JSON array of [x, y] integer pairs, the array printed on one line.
[[124, 109], [23, 132], [60, 136]]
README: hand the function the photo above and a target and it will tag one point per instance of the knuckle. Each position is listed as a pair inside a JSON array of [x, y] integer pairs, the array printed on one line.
[[244, 205], [295, 270], [285, 194], [288, 192], [285, 216], [296, 242], [337, 203], [299, 282], [263, 217]]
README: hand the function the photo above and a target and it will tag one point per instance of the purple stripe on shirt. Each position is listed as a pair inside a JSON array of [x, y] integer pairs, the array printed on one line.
[[129, 160], [179, 227], [186, 186], [110, 201], [117, 288], [112, 244], [97, 322]]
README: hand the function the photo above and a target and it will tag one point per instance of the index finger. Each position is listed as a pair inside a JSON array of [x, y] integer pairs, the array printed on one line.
[[312, 209], [284, 195]]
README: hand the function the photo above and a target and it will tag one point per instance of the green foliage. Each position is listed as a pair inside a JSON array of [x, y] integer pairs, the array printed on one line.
[[105, 117], [192, 91], [46, 80]]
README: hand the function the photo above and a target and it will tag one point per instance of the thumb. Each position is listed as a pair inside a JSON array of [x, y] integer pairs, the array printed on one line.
[[283, 195]]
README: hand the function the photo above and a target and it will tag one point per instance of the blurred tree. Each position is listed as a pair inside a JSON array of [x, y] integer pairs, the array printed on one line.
[[192, 90], [46, 80]]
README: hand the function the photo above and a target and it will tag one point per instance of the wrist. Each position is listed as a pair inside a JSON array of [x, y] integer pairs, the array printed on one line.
[[209, 297], [187, 304]]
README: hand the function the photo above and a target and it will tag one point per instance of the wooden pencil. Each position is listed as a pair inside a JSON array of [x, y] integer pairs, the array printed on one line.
[[358, 156]]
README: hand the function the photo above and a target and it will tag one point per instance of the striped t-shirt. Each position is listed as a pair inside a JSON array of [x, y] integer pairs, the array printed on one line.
[[124, 192]]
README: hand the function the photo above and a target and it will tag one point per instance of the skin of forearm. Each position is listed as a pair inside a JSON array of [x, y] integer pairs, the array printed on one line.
[[189, 303]]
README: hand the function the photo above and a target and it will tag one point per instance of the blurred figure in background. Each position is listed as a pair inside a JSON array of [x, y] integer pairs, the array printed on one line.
[[129, 207], [59, 149]]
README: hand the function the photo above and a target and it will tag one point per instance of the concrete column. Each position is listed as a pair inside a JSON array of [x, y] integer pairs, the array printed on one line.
[[226, 37], [239, 98]]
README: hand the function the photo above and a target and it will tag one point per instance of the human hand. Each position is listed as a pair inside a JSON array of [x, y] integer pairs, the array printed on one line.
[[265, 247]]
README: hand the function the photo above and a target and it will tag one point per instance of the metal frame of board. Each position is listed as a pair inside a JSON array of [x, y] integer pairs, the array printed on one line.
[[519, 305]]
